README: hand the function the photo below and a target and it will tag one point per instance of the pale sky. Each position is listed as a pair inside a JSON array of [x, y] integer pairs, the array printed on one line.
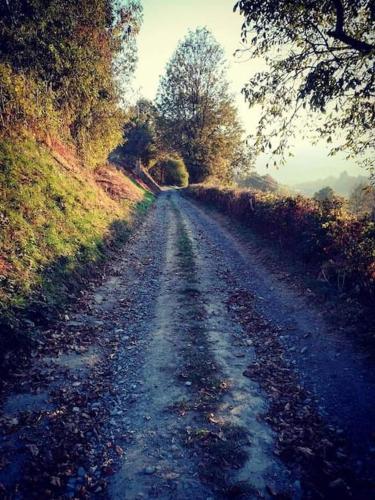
[[167, 21]]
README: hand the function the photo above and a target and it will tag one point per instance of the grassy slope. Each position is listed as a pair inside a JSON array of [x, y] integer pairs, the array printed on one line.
[[56, 218]]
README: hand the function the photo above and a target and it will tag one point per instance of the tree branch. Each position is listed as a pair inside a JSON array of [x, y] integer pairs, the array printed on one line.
[[339, 33]]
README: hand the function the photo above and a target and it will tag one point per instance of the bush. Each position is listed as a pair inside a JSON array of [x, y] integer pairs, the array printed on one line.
[[171, 172], [338, 245], [25, 101]]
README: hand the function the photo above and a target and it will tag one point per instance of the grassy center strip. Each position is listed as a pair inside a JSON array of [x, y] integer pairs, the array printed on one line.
[[221, 446]]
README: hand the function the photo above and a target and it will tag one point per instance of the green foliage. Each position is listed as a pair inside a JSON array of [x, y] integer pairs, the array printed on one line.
[[339, 246], [140, 141], [25, 101], [53, 224], [329, 201], [362, 200], [98, 139], [67, 52], [324, 194], [171, 172], [198, 117], [319, 57]]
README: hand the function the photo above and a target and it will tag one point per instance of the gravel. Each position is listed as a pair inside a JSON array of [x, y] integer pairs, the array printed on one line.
[[178, 418]]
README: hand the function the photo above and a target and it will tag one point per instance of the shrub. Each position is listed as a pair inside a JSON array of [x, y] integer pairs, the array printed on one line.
[[25, 101], [338, 245], [171, 172]]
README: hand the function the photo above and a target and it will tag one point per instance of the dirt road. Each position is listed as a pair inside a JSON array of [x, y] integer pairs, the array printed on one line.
[[202, 375]]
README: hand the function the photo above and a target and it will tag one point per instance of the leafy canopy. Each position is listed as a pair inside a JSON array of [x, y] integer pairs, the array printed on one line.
[[319, 55], [198, 117], [140, 137], [76, 51]]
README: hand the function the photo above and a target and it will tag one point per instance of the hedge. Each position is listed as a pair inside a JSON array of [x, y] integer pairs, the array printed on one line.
[[339, 246]]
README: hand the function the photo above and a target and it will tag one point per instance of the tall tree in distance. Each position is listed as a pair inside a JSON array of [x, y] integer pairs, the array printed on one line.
[[197, 113], [140, 137], [320, 57]]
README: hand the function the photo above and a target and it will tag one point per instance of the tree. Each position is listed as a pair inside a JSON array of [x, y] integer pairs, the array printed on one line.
[[75, 51], [197, 114], [170, 171], [324, 194], [140, 138], [318, 56], [362, 200], [329, 201]]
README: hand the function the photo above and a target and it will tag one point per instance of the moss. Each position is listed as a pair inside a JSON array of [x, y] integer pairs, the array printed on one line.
[[54, 223]]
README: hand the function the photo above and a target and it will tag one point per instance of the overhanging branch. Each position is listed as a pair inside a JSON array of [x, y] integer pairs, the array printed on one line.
[[339, 32]]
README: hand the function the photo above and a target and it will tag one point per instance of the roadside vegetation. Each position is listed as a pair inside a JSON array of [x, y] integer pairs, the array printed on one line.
[[171, 171], [321, 232], [56, 223], [64, 70]]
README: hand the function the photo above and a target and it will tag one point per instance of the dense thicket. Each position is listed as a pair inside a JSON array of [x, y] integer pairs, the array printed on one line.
[[198, 117], [319, 56], [61, 67]]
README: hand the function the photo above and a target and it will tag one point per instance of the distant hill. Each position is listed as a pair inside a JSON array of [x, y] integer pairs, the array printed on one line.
[[343, 184], [259, 182]]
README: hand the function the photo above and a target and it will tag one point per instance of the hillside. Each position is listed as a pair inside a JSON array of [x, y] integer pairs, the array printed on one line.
[[58, 219], [343, 184], [259, 182]]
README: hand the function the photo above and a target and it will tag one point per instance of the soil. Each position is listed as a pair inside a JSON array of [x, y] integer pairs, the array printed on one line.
[[196, 369]]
